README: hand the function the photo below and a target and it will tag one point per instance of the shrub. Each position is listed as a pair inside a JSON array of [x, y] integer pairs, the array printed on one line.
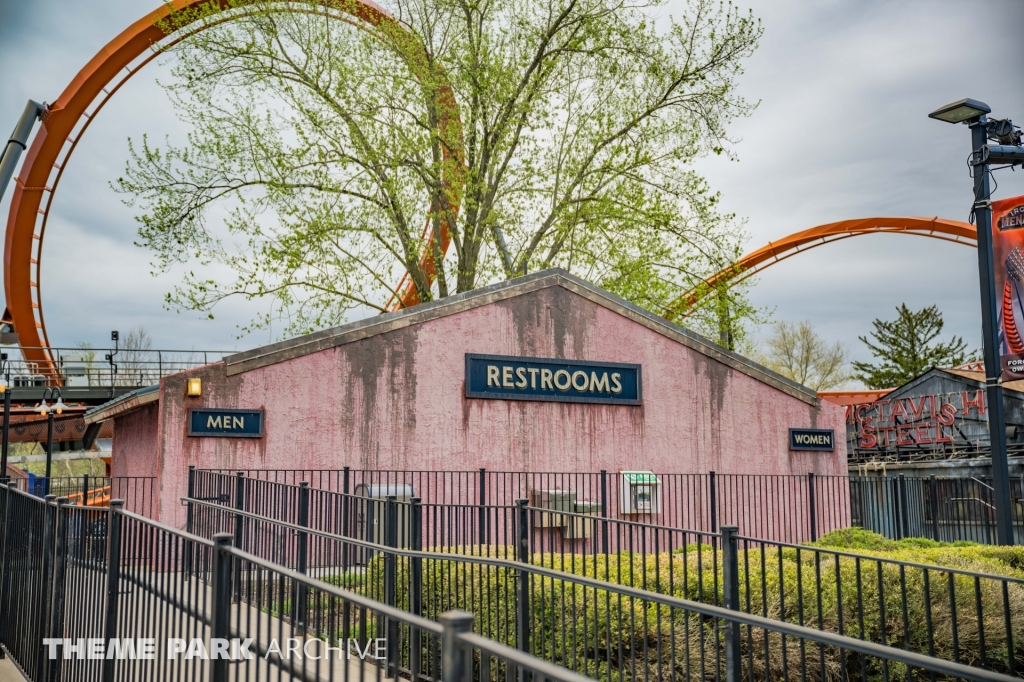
[[606, 635]]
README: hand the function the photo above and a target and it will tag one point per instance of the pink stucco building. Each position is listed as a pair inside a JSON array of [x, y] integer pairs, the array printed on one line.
[[389, 393]]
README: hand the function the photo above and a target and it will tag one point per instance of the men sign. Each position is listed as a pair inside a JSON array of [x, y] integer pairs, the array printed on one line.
[[812, 439], [225, 423]]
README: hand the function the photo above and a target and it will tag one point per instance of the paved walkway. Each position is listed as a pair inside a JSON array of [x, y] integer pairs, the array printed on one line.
[[150, 598], [8, 673]]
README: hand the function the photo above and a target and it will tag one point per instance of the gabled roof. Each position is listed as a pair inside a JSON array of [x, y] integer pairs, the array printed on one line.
[[966, 376], [556, 277], [124, 403], [979, 376]]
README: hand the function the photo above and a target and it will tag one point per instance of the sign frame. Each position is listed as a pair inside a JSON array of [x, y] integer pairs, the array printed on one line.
[[793, 445], [222, 411], [555, 398]]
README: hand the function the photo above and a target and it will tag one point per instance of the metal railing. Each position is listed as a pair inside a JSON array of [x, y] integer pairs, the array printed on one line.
[[951, 613], [943, 508], [105, 367], [137, 492], [790, 508], [582, 622], [120, 605], [174, 589]]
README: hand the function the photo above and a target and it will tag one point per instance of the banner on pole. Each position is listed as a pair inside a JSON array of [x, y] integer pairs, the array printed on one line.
[[1008, 266]]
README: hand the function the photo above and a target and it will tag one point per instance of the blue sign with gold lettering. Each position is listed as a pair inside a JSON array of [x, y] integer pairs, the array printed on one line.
[[225, 423], [503, 377]]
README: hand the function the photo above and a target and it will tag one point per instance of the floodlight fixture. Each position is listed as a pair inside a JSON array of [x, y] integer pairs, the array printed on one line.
[[960, 111]]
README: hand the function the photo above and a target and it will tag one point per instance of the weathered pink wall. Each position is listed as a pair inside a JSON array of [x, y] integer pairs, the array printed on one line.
[[136, 442], [396, 401]]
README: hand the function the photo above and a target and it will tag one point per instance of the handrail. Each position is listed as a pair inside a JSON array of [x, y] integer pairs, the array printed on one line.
[[881, 559], [906, 657], [655, 527]]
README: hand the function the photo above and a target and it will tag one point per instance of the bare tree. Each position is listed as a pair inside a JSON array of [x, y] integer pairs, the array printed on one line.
[[797, 351], [87, 356], [135, 361]]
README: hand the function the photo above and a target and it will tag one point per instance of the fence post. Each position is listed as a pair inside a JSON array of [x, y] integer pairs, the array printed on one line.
[[904, 508], [933, 488], [416, 588], [346, 553], [892, 487], [604, 510], [812, 506], [299, 592], [113, 581], [346, 504], [523, 587], [49, 519], [456, 660], [390, 583], [236, 580], [714, 502], [190, 493], [731, 598], [60, 551], [5, 567], [483, 507], [220, 616], [85, 490]]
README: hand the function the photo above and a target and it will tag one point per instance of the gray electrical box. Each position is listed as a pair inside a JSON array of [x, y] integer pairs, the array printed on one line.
[[557, 500], [577, 527], [371, 514]]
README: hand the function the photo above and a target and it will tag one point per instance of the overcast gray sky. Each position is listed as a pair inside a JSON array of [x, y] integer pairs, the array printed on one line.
[[841, 132]]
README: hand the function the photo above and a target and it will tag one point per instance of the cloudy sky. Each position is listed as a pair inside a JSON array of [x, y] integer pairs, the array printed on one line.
[[841, 132]]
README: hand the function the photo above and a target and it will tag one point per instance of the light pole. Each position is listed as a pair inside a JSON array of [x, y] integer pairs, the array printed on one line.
[[5, 388], [49, 410], [973, 113], [114, 336]]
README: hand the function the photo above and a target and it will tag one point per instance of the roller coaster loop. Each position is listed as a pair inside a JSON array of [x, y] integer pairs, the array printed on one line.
[[66, 120]]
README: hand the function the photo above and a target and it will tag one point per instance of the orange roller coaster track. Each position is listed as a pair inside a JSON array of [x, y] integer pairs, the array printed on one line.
[[66, 120], [775, 252]]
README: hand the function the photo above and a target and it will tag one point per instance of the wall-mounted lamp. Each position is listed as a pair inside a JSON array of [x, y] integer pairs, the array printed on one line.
[[195, 387]]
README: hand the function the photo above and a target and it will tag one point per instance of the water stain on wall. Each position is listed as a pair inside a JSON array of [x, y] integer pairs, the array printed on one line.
[[713, 379], [378, 378], [551, 322]]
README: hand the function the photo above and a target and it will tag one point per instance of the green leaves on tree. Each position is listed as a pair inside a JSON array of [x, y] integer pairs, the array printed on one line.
[[905, 350], [319, 166]]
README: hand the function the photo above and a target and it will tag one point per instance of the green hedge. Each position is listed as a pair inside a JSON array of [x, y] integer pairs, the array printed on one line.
[[610, 637]]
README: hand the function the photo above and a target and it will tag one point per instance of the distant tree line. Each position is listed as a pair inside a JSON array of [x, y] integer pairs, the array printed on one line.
[[903, 348]]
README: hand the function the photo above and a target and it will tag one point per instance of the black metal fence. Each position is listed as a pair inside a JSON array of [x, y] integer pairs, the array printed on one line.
[[955, 614], [163, 591], [52, 581], [621, 620], [779, 508], [946, 509], [789, 508], [107, 366], [137, 492], [104, 594]]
